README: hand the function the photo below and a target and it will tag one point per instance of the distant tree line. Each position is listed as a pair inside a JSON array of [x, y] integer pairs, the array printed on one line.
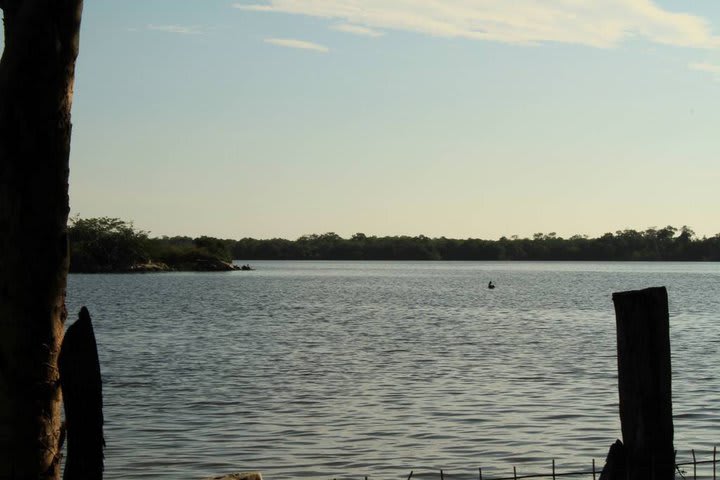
[[111, 244], [667, 243]]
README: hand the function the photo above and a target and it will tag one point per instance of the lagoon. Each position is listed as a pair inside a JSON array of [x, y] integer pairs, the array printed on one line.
[[352, 369]]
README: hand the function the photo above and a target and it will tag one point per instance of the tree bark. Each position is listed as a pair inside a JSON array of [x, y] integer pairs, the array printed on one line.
[[36, 86]]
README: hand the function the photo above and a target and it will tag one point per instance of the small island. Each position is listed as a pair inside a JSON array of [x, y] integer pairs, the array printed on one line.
[[111, 245]]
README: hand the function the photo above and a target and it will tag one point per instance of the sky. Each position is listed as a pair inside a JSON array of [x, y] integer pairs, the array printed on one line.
[[455, 118]]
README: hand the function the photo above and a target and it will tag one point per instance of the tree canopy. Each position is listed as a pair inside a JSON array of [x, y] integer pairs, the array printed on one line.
[[668, 243], [111, 244], [107, 244]]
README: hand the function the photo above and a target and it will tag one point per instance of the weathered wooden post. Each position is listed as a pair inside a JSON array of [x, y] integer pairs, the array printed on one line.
[[644, 383], [82, 395]]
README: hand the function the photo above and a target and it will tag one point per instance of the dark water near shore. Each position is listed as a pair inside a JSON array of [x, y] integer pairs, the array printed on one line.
[[346, 369]]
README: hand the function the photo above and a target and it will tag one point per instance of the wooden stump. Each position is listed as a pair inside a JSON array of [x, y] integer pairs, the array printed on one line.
[[644, 383], [82, 395], [614, 468]]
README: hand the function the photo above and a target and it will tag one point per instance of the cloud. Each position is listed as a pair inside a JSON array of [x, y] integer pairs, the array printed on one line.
[[181, 29], [707, 67], [357, 30], [301, 44], [594, 23]]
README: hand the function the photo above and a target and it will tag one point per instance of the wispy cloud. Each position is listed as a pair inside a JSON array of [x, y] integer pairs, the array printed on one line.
[[357, 30], [180, 29], [707, 67], [529, 22], [301, 44]]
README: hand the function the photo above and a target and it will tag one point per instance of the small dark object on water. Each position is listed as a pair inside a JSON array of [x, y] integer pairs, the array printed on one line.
[[491, 285], [239, 476], [246, 267]]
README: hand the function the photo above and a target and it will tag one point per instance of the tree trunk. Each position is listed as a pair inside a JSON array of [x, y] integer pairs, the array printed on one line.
[[36, 84]]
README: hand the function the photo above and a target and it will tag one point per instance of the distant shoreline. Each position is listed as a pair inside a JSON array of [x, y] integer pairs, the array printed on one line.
[[666, 244], [113, 245], [161, 268], [469, 260], [198, 265]]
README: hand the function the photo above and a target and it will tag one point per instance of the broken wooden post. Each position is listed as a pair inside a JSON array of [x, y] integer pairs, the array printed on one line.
[[644, 382], [614, 468], [82, 396]]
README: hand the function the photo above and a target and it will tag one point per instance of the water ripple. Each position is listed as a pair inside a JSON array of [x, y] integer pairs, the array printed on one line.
[[339, 370]]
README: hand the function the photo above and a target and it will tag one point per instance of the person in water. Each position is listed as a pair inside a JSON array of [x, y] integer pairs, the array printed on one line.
[[491, 285]]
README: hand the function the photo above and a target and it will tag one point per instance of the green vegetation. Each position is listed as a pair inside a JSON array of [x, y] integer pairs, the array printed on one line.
[[110, 244], [113, 245], [667, 243], [105, 244]]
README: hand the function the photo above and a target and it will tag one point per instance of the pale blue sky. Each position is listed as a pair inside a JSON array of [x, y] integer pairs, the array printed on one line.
[[458, 118]]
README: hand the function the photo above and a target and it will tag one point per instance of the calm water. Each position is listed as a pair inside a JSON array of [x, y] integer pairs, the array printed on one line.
[[346, 369]]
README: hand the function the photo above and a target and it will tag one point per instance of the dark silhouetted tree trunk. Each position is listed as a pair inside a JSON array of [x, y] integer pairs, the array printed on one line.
[[36, 86]]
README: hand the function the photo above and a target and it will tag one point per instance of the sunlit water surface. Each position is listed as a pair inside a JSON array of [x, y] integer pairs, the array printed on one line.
[[347, 369]]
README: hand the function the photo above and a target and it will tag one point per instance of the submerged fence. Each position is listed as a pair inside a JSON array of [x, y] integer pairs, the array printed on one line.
[[683, 471], [683, 474]]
